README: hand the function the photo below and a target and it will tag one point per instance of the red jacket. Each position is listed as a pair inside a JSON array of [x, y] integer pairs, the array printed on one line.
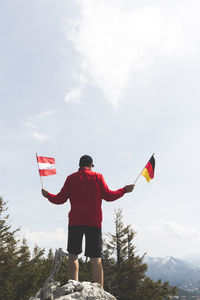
[[85, 189]]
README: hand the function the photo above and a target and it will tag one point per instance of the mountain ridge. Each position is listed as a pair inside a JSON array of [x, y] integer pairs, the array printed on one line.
[[178, 272]]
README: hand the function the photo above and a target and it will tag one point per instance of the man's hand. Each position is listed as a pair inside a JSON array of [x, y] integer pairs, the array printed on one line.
[[129, 188], [44, 193]]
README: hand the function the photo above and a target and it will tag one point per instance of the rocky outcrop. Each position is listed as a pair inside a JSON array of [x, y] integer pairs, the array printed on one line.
[[72, 290], [52, 290]]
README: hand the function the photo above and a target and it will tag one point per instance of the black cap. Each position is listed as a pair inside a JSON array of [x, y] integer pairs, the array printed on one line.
[[85, 160]]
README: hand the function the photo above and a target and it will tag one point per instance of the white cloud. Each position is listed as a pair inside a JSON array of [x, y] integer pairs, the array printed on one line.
[[117, 42], [163, 238], [36, 124], [54, 239], [38, 136], [74, 95], [167, 229]]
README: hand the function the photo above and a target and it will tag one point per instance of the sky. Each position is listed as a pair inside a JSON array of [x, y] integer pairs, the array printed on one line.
[[118, 80]]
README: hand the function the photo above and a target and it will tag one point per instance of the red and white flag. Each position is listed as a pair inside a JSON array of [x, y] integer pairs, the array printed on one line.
[[46, 165]]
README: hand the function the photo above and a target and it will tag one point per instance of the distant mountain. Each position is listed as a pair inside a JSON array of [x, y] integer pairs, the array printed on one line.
[[194, 259], [176, 271]]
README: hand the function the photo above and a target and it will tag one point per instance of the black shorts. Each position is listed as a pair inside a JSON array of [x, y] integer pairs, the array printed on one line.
[[93, 240]]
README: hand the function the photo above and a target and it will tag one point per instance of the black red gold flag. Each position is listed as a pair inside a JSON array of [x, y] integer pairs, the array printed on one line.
[[148, 171]]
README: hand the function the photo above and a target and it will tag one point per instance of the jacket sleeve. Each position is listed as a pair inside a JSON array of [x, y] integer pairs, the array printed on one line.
[[107, 194], [62, 196]]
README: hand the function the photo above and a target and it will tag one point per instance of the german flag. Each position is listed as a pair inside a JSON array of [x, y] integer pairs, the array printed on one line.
[[148, 171]]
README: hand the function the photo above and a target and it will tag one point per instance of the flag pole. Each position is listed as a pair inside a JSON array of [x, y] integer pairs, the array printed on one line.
[[39, 171], [138, 176], [141, 171]]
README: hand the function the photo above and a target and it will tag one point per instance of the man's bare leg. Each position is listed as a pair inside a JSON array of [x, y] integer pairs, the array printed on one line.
[[97, 270], [73, 266]]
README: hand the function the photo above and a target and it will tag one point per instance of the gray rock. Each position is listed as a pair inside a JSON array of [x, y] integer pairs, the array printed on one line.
[[73, 290], [52, 290]]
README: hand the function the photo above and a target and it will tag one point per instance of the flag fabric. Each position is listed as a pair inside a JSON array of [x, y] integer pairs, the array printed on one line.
[[46, 165], [148, 171]]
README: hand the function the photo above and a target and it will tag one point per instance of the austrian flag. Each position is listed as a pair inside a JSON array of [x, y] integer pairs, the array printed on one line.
[[46, 165]]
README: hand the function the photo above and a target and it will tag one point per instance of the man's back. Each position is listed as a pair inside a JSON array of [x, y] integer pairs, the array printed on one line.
[[85, 190], [85, 198]]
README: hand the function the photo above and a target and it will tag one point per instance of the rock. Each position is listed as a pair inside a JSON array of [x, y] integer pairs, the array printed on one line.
[[52, 290], [72, 290]]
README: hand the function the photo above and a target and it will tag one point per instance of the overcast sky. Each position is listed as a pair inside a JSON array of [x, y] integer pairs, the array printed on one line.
[[117, 80]]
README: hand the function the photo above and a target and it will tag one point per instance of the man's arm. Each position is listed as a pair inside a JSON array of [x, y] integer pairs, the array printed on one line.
[[61, 197], [109, 195]]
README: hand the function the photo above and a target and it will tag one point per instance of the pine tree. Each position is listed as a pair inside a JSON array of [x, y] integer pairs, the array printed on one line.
[[38, 267], [8, 255], [20, 276], [128, 270], [125, 271], [117, 243], [155, 290], [49, 261], [23, 282]]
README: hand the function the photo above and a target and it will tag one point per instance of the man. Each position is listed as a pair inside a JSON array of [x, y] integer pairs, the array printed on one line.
[[85, 189]]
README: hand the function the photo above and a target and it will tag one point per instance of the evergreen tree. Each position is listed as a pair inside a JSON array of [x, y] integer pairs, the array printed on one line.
[[128, 270], [23, 282], [38, 267], [117, 243], [155, 290], [50, 256], [8, 255], [20, 276], [125, 271], [49, 261]]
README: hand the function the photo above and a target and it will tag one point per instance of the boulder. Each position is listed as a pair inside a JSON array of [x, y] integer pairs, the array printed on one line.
[[72, 290]]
